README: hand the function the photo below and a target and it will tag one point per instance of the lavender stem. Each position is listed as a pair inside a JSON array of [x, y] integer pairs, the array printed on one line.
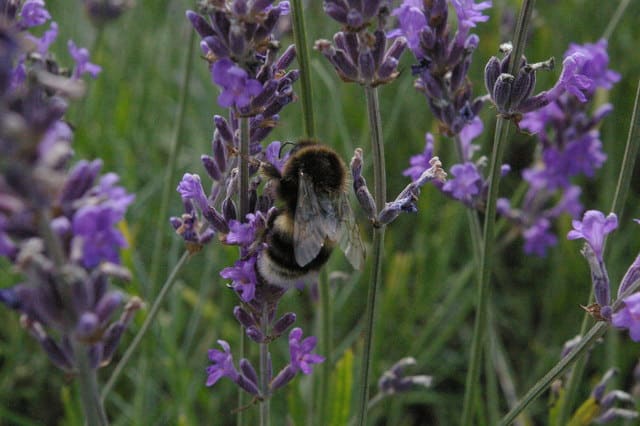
[[472, 382], [265, 404], [88, 388], [379, 183]]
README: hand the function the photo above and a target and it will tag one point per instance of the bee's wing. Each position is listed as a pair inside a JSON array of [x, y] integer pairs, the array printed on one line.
[[350, 242], [315, 220]]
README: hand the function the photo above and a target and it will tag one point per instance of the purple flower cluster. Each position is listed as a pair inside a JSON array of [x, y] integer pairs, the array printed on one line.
[[570, 147], [57, 225], [443, 57], [357, 54], [239, 45]]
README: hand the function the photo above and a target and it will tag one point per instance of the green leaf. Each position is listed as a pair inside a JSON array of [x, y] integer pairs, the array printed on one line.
[[340, 395]]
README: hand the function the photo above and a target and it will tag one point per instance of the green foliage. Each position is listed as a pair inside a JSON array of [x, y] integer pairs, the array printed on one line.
[[426, 300]]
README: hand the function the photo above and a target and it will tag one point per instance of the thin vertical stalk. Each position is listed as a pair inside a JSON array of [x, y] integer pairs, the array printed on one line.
[[168, 184], [88, 388], [473, 373], [380, 189], [326, 343], [617, 16], [617, 206], [302, 53], [166, 287], [243, 204], [265, 404], [472, 383]]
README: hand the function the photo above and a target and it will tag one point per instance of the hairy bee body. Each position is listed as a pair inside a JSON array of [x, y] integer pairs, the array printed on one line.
[[313, 218]]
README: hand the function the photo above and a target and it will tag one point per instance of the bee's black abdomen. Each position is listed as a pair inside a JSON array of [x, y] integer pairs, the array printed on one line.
[[280, 248]]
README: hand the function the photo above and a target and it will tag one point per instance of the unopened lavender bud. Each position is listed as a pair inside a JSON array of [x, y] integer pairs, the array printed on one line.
[[263, 98], [615, 395], [80, 179], [108, 305], [244, 318], [286, 58], [388, 69], [377, 50], [87, 325], [236, 40], [354, 19], [631, 277], [344, 65], [366, 65], [502, 91], [111, 339], [213, 44], [522, 85], [283, 323], [284, 376], [219, 152], [247, 369], [200, 24], [56, 354], [397, 47], [491, 73], [615, 413], [255, 334], [229, 210], [211, 167], [356, 164], [260, 133], [336, 10], [216, 220], [248, 385], [223, 127], [598, 391], [366, 201]]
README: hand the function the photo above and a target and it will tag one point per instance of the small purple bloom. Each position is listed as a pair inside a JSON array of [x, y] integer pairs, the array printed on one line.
[[243, 277], [629, 316], [411, 21], [300, 350], [593, 228], [190, 188], [466, 182], [571, 80], [538, 238], [81, 57], [95, 236], [237, 87], [272, 155], [222, 364], [469, 13], [468, 133], [33, 13], [47, 39], [244, 234], [595, 63], [419, 163]]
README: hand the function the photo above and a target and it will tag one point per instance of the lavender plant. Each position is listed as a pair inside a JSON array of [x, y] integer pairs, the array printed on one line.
[[57, 223], [240, 47]]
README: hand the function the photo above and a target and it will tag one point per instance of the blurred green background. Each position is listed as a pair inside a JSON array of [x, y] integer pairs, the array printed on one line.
[[425, 308]]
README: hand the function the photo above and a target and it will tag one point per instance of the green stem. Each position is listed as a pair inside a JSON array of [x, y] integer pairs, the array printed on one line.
[[326, 343], [265, 404], [379, 182], [166, 287], [615, 19], [302, 53], [88, 388], [168, 184], [472, 383], [617, 206]]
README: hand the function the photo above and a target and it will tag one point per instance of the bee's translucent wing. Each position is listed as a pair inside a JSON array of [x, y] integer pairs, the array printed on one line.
[[350, 242], [315, 220]]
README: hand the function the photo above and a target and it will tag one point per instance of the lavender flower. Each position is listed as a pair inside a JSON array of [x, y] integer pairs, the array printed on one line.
[[237, 87], [570, 144], [222, 364], [33, 13], [243, 276], [629, 316], [593, 229], [300, 350], [81, 57], [443, 57], [356, 54]]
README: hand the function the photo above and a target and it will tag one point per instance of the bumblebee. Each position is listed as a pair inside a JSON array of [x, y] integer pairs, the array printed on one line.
[[313, 217]]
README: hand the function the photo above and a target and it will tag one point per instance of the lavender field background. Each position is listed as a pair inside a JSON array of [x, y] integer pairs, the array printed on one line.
[[425, 306]]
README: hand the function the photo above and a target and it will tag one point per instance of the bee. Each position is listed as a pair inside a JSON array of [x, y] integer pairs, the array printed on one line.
[[314, 216]]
